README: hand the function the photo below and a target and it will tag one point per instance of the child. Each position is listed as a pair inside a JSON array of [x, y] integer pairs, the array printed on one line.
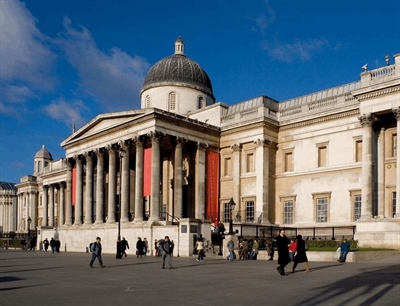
[[292, 248]]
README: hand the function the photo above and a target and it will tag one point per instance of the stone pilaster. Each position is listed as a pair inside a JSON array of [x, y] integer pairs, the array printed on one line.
[[79, 191], [396, 113], [62, 204], [236, 170], [262, 182], [124, 181], [51, 205], [367, 121]]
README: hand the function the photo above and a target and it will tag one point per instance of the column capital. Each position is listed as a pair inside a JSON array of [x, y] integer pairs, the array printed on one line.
[[155, 135], [236, 147], [367, 120], [88, 155], [262, 142], [99, 152], [202, 145], [396, 112]]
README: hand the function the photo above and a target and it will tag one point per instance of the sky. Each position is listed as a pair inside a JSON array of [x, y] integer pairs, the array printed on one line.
[[68, 61]]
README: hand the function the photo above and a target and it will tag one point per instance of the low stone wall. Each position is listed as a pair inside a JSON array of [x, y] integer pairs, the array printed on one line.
[[333, 256]]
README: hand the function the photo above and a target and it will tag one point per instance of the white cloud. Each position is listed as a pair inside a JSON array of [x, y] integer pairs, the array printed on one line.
[[67, 111], [26, 60], [299, 49], [113, 77], [264, 20]]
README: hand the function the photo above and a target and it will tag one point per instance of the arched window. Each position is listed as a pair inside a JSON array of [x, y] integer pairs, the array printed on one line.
[[148, 104], [201, 103], [172, 101]]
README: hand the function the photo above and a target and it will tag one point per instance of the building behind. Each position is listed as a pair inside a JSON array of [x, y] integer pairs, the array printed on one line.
[[324, 160]]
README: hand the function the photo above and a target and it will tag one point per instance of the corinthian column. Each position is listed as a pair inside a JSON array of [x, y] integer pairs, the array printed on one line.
[[68, 200], [112, 180], [79, 191], [100, 187], [62, 204], [155, 176], [367, 122], [139, 181], [396, 112], [200, 179], [89, 188], [45, 206], [125, 182], [178, 178], [51, 206]]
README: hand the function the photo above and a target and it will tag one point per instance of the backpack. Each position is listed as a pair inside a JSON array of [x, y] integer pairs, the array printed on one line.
[[91, 247]]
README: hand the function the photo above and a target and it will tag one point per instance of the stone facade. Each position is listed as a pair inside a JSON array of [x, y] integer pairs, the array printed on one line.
[[322, 160]]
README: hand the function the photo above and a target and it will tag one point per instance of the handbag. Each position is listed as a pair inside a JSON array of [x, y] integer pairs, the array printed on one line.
[[137, 252]]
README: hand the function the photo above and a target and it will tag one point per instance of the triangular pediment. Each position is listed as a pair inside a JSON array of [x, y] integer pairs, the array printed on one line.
[[103, 123]]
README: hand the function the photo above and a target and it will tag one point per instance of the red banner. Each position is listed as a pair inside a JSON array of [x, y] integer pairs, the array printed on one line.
[[212, 206], [147, 172], [73, 189]]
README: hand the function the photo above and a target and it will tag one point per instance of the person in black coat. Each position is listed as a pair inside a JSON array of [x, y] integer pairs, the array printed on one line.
[[282, 243], [46, 244], [124, 246], [300, 255], [139, 248]]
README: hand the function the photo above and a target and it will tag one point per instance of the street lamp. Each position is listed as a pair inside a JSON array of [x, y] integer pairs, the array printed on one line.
[[29, 226], [232, 205], [121, 154]]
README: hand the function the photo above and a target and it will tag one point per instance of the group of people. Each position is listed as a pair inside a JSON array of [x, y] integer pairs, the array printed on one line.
[[288, 251], [54, 245], [141, 248], [248, 249]]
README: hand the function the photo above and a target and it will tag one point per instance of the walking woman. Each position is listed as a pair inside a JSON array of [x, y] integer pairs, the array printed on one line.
[[300, 255]]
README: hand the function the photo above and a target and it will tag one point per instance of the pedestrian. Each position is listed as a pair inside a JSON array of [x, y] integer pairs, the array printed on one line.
[[231, 246], [139, 248], [155, 247], [270, 248], [95, 248], [145, 246], [32, 244], [58, 245], [124, 246], [300, 255], [167, 249], [344, 250], [254, 251], [200, 249], [52, 244], [46, 244], [282, 243], [292, 248]]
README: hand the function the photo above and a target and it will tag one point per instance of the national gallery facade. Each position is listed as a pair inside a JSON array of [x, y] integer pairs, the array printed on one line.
[[182, 161]]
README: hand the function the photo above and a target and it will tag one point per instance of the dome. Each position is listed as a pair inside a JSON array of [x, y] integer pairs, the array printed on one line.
[[43, 153], [178, 70]]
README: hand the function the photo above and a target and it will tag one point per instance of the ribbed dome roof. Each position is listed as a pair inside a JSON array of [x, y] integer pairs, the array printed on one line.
[[178, 70], [43, 153]]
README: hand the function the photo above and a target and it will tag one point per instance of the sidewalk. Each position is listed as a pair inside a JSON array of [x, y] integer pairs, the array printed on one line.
[[40, 278]]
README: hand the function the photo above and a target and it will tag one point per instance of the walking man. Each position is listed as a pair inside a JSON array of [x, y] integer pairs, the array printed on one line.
[[167, 249], [282, 243], [124, 246], [96, 252]]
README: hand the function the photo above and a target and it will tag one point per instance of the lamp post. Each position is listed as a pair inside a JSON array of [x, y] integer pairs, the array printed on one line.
[[29, 227], [232, 205], [121, 154]]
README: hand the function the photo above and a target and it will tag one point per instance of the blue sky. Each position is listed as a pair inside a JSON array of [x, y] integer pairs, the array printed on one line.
[[71, 60]]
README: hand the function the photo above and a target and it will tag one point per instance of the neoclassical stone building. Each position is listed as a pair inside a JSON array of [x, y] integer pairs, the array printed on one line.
[[325, 159]]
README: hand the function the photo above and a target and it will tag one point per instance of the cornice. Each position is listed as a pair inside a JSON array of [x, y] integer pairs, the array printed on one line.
[[352, 113], [377, 93]]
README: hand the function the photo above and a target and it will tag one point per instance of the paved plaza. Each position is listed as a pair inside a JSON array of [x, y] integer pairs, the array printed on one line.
[[40, 278]]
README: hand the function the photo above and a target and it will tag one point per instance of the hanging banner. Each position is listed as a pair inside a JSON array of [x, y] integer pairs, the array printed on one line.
[[147, 172], [212, 205], [73, 189]]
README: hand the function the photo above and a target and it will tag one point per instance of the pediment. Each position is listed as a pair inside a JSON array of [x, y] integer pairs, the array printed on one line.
[[103, 123]]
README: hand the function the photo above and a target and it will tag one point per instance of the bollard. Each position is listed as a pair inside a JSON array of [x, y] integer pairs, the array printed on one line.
[[65, 247], [87, 250]]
